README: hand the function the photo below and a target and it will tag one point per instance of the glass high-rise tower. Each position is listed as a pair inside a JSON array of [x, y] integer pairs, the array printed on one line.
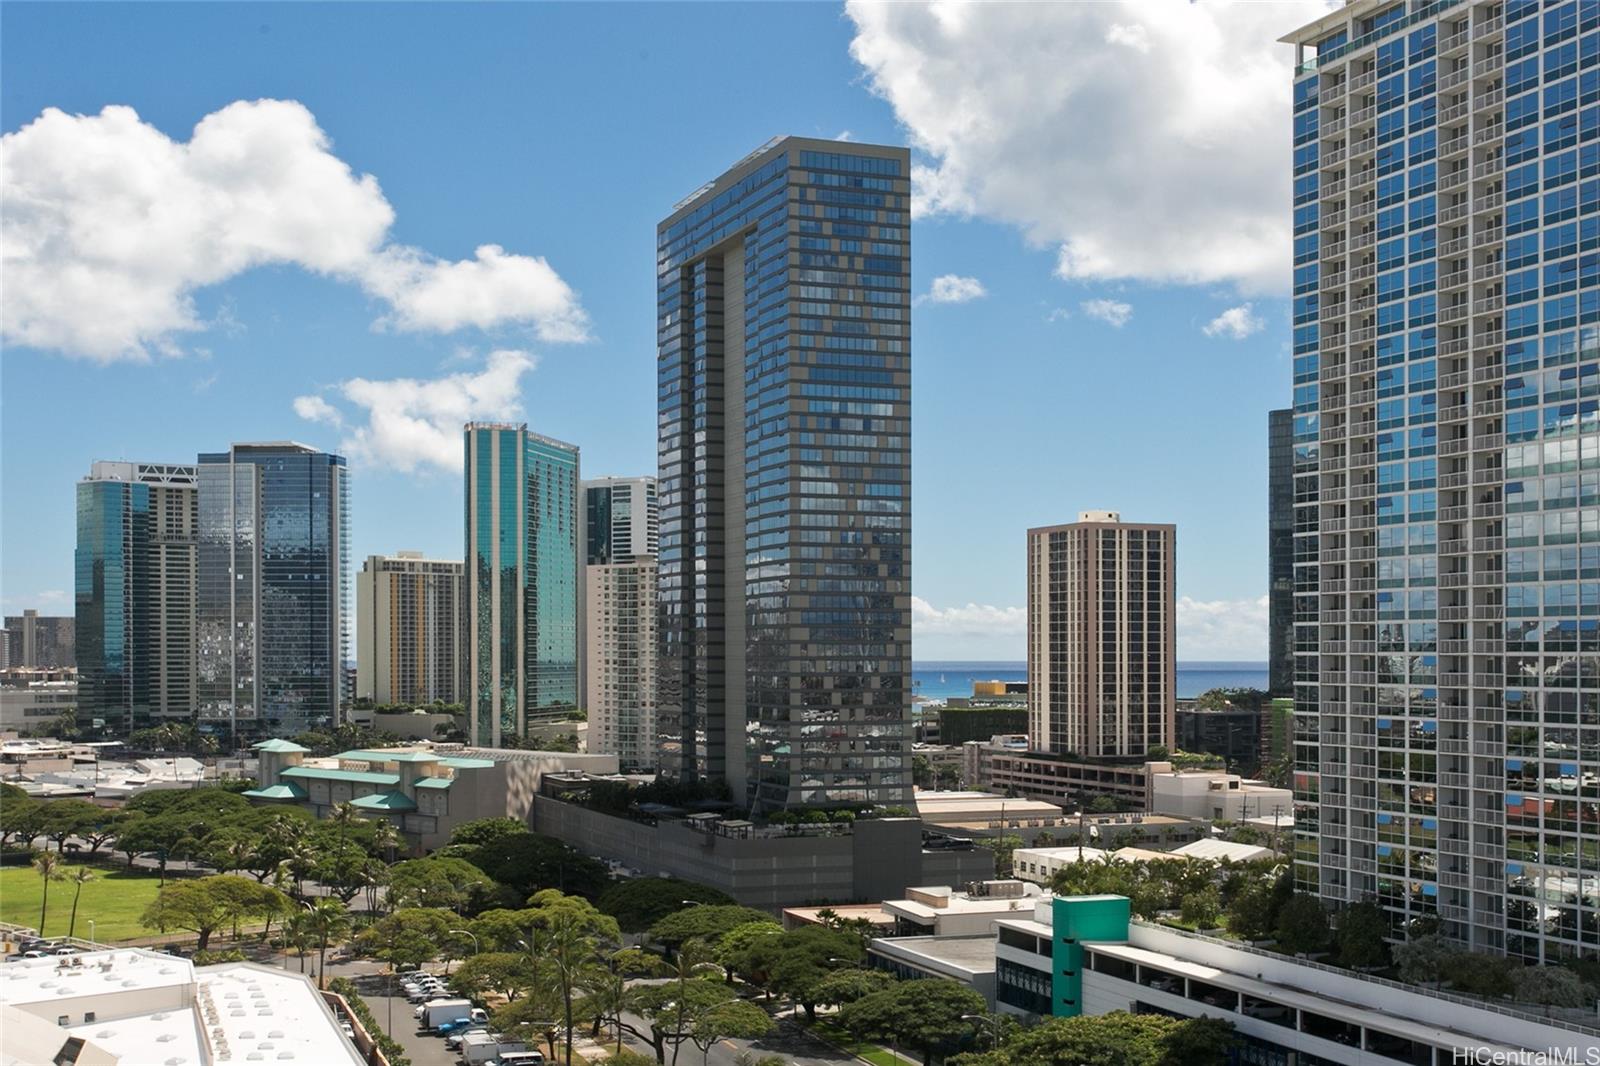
[[784, 406], [1447, 466], [1280, 552], [135, 594], [524, 555], [274, 589]]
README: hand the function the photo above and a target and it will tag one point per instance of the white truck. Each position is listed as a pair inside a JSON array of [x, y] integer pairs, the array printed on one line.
[[437, 1012], [479, 1047]]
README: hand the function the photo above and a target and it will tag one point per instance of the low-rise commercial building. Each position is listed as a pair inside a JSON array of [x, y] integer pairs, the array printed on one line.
[[944, 911], [770, 867], [138, 1008], [968, 959], [1213, 794], [30, 704], [1005, 764], [424, 791], [1083, 955]]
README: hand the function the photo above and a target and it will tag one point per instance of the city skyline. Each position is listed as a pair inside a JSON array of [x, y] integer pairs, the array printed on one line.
[[288, 354]]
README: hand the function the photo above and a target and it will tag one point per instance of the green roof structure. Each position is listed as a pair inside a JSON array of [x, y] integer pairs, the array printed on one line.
[[470, 764], [435, 782], [393, 800], [379, 755], [289, 791], [325, 774], [278, 745]]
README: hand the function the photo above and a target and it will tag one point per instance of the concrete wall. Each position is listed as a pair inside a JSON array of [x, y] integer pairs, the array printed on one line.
[[412, 726], [880, 859]]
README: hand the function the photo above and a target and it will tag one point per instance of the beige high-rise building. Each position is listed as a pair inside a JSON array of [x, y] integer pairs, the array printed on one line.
[[408, 629], [619, 660], [1101, 643]]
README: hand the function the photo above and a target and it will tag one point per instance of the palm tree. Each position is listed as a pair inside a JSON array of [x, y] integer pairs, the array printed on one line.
[[343, 816], [49, 864], [386, 839], [328, 921], [80, 877], [297, 933], [570, 954]]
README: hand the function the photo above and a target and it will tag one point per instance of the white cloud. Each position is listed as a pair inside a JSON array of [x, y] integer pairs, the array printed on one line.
[[1144, 140], [111, 227], [1111, 312], [1236, 322], [1058, 314], [1210, 630], [974, 620], [953, 289], [412, 423]]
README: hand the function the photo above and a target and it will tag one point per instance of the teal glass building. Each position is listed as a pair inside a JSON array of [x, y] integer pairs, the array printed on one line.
[[273, 618], [134, 594], [524, 545], [1446, 574], [784, 463]]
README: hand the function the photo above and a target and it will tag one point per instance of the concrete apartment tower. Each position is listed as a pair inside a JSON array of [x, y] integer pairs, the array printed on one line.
[[41, 641], [1102, 669], [1446, 456], [784, 325], [273, 614], [408, 629], [523, 571], [134, 591], [619, 595]]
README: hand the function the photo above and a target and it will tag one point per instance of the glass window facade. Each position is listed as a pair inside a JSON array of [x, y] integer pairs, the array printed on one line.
[[783, 315], [523, 551], [1446, 446], [274, 589]]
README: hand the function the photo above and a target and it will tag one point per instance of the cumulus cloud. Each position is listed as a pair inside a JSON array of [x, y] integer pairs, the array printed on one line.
[[973, 620], [409, 423], [1111, 312], [1222, 629], [1236, 322], [953, 289], [1101, 129], [111, 227]]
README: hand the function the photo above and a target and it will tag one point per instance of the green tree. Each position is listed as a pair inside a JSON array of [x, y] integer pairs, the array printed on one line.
[[929, 1015], [1549, 986], [437, 882], [848, 985], [730, 1018], [672, 1008], [529, 862], [487, 832], [507, 973], [169, 835], [1202, 908], [21, 817], [205, 904], [1478, 974], [1003, 846], [707, 922], [299, 934], [799, 960], [607, 997], [640, 902], [1302, 926], [1114, 1039], [571, 951], [1251, 911], [408, 937], [1359, 940], [64, 818], [736, 949], [49, 866], [80, 877], [330, 923], [1421, 960]]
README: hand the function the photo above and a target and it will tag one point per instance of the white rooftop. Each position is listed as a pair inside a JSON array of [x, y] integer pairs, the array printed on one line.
[[1223, 850], [34, 981], [252, 1009]]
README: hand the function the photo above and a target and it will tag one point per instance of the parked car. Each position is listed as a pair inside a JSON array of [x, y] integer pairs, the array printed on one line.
[[453, 1040]]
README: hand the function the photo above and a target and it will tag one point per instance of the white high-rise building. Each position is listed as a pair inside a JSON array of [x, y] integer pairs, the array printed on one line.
[[1447, 467], [619, 677]]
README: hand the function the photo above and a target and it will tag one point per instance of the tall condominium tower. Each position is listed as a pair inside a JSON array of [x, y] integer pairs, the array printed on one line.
[[41, 641], [1447, 467], [1280, 552], [135, 594], [1102, 671], [274, 591], [408, 629], [524, 544], [619, 596], [784, 326]]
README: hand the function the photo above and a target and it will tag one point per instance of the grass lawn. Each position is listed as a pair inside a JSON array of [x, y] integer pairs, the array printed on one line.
[[114, 899], [874, 1054]]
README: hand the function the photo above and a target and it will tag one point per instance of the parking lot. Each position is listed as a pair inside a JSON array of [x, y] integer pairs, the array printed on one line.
[[393, 1013]]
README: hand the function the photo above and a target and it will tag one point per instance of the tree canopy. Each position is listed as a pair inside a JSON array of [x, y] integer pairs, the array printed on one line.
[[640, 902], [1115, 1039]]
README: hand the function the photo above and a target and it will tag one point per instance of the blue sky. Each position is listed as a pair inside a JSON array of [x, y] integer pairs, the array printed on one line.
[[1115, 339]]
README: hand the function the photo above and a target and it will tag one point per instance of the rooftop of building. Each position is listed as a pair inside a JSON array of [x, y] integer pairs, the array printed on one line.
[[970, 954], [871, 912], [933, 901]]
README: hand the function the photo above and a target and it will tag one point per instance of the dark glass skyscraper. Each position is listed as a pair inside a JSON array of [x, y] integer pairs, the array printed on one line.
[[135, 594], [1280, 552], [784, 334], [524, 543], [274, 590]]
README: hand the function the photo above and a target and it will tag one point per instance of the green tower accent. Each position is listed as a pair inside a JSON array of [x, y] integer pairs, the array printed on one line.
[[1073, 920]]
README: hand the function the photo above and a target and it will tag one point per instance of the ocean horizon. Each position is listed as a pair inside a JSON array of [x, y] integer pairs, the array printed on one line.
[[944, 678]]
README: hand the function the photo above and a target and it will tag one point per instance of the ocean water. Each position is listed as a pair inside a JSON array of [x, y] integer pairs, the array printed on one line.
[[941, 680]]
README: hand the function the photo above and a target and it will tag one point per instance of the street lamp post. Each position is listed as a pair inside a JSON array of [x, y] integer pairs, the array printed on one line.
[[990, 1020], [92, 940]]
